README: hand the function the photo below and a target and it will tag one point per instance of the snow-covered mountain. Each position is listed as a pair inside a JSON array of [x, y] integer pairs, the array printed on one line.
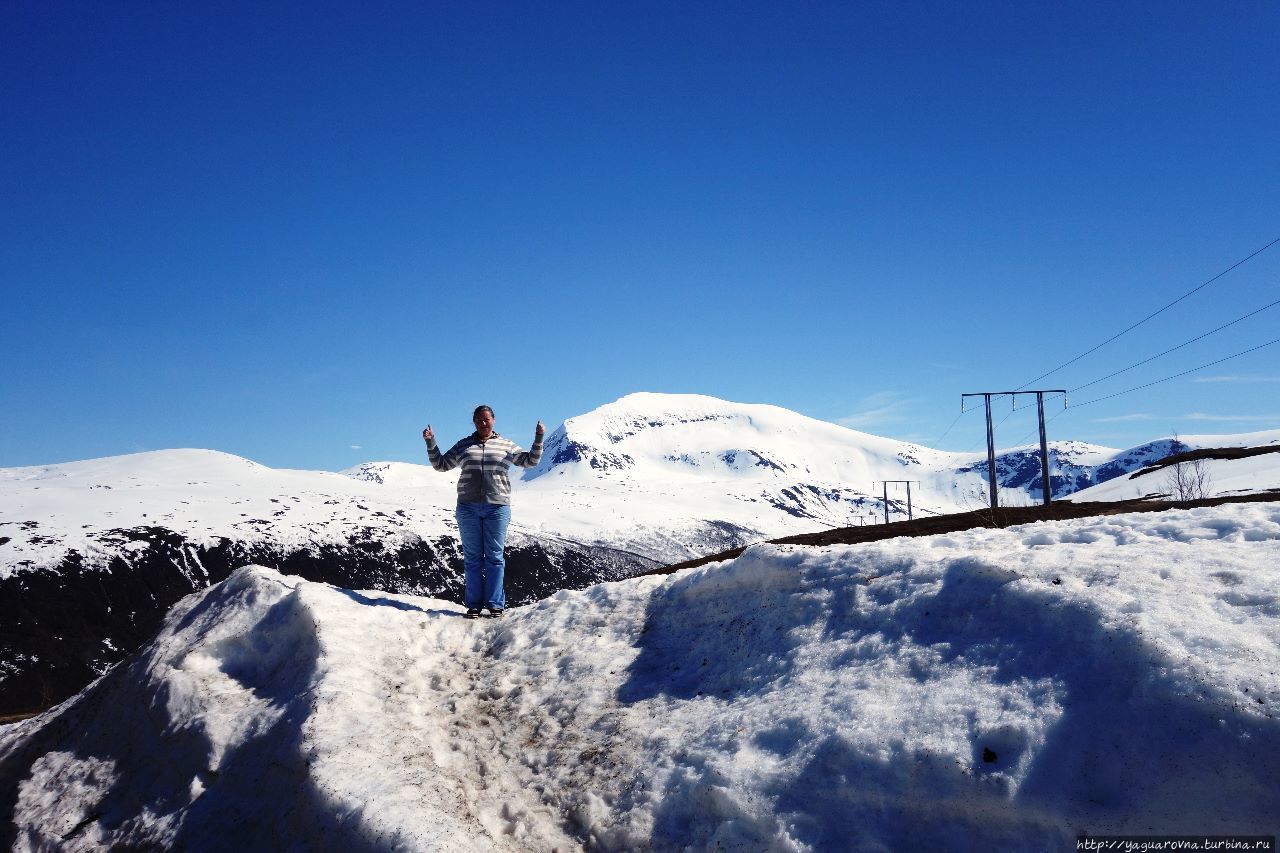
[[673, 476], [989, 689], [93, 553]]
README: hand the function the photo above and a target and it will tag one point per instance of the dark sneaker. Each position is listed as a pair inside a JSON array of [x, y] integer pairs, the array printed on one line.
[[495, 612], [473, 612]]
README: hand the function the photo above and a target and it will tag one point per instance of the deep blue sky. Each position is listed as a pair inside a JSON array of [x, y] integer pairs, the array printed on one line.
[[300, 232]]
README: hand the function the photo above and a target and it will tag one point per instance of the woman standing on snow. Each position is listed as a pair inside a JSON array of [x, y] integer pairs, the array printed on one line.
[[484, 503]]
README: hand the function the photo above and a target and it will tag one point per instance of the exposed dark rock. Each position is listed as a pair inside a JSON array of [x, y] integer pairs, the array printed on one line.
[[762, 462]]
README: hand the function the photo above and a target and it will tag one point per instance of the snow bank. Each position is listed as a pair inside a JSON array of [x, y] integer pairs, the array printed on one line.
[[1008, 688]]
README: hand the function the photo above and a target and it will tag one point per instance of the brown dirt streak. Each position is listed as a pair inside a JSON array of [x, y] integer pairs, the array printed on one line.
[[1002, 517]]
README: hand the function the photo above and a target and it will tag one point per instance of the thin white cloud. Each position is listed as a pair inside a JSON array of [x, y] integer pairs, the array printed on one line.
[[1136, 416], [877, 409], [1201, 416], [357, 447], [1190, 416], [1237, 379]]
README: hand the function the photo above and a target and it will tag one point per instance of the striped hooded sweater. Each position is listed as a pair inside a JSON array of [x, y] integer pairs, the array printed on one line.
[[484, 466]]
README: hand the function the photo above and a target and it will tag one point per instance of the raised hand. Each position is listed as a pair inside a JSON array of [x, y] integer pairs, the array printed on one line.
[[428, 434], [539, 430]]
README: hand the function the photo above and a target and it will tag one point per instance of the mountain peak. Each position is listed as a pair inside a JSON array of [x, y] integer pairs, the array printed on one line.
[[672, 435], [161, 464]]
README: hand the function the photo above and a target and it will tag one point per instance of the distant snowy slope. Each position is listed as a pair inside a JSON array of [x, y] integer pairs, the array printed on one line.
[[993, 689], [203, 495], [1244, 476], [669, 474]]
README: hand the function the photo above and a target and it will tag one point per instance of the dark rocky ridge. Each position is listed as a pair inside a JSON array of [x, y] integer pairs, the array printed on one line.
[[62, 627]]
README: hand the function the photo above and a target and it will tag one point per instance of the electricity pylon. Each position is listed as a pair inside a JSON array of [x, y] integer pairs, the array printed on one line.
[[991, 439], [886, 496]]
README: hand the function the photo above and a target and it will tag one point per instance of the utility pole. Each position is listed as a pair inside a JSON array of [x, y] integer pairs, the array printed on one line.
[[1044, 449], [991, 441], [886, 497]]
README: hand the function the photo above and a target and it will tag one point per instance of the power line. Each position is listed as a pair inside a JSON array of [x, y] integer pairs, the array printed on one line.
[[1048, 421], [1153, 314], [1159, 355], [937, 441], [998, 423], [1153, 358], [1178, 347], [1176, 375]]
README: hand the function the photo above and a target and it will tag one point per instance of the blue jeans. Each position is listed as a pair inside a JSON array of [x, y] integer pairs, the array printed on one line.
[[483, 529]]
